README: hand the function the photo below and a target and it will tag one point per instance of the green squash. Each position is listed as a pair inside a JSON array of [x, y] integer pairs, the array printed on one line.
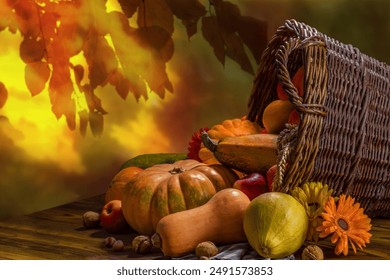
[[275, 225]]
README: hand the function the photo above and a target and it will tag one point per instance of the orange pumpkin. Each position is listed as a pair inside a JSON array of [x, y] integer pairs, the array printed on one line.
[[168, 188], [114, 191], [233, 127]]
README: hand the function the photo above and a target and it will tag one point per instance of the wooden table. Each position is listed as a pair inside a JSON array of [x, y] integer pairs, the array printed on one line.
[[58, 234]]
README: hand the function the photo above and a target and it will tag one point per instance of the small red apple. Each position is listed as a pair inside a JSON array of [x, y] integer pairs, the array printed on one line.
[[270, 176], [111, 217], [294, 118], [297, 81], [252, 185]]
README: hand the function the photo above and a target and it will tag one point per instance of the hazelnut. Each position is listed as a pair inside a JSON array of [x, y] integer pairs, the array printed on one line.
[[91, 219], [142, 244], [205, 250], [312, 252], [109, 241], [118, 246]]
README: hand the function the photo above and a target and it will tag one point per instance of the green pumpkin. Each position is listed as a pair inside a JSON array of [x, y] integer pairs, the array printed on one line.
[[163, 189]]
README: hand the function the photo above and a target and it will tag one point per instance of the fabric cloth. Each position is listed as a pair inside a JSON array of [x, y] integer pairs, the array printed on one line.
[[237, 251]]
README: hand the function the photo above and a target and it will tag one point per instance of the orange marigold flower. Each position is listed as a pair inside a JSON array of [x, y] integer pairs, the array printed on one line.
[[346, 221]]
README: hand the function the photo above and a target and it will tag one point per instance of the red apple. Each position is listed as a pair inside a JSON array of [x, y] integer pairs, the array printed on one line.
[[111, 217], [270, 176], [294, 118], [297, 81], [252, 185]]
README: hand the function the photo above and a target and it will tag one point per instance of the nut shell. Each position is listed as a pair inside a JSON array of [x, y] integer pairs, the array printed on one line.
[[118, 246], [312, 252], [142, 244], [109, 241], [205, 250], [91, 219]]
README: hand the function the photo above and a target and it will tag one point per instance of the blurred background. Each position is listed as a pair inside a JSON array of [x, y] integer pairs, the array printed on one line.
[[43, 163]]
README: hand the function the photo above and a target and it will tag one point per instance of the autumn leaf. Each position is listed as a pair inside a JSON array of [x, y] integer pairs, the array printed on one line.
[[189, 12], [155, 13], [253, 32], [129, 7], [31, 49], [36, 75], [121, 84], [95, 122], [60, 93], [212, 33], [3, 94], [84, 119], [235, 50], [227, 14], [100, 58]]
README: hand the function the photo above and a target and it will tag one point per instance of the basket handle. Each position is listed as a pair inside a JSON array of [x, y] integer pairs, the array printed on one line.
[[283, 75]]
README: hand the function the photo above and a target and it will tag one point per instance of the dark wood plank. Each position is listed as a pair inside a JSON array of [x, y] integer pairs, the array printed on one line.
[[58, 233]]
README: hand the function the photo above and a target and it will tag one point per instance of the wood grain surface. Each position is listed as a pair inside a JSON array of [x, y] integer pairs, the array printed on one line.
[[58, 234]]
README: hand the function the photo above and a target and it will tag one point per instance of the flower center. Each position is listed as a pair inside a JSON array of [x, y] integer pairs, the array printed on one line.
[[343, 224]]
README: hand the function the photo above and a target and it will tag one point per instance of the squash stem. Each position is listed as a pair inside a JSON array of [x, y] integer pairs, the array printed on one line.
[[208, 142]]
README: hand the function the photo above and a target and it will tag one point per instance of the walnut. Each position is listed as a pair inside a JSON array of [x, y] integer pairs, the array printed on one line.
[[142, 244], [206, 250], [312, 252], [118, 246], [109, 241], [91, 219]]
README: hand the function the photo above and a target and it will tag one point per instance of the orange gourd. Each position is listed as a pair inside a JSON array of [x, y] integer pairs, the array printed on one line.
[[228, 128], [117, 184]]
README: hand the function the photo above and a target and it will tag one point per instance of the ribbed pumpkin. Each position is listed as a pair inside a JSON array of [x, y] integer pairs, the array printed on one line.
[[117, 184], [168, 188], [232, 127]]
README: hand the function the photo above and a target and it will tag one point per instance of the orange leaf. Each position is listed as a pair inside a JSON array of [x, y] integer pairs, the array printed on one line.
[[155, 13], [212, 33], [60, 91], [32, 49], [36, 75], [3, 94], [100, 58]]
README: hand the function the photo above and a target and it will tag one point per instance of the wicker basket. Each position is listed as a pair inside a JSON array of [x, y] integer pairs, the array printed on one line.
[[343, 138]]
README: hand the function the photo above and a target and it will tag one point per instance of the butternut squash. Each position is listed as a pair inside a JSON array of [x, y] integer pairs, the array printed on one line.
[[220, 221], [247, 153]]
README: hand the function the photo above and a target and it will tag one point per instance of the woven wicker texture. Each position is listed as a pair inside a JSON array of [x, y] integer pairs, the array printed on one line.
[[343, 138]]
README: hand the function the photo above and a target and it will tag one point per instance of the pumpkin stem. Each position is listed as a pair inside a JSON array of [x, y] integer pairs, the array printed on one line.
[[208, 142], [176, 170], [156, 240]]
